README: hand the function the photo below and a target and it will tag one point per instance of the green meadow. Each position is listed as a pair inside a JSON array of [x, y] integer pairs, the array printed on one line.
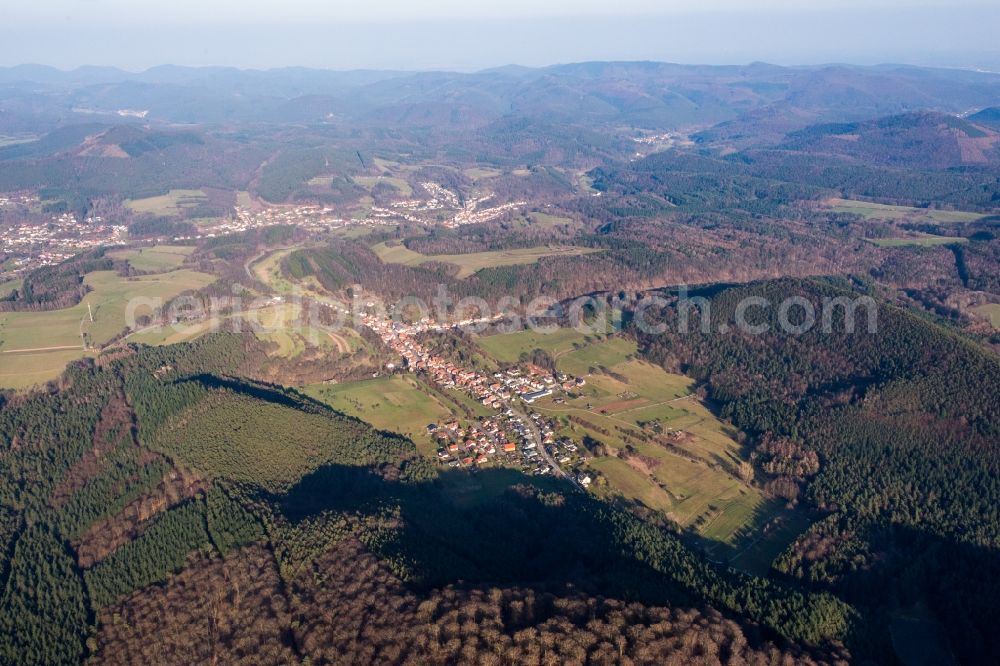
[[156, 258], [51, 337], [396, 403], [682, 461], [171, 204], [886, 212], [476, 261], [924, 241], [508, 347]]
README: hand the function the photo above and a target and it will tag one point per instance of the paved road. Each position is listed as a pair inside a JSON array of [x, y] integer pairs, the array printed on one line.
[[537, 437], [254, 259], [40, 349]]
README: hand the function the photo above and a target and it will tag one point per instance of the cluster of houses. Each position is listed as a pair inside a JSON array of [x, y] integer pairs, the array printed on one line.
[[494, 391], [18, 200], [656, 139], [314, 218], [441, 198], [320, 218], [395, 212], [502, 437], [36, 244], [471, 213], [507, 437]]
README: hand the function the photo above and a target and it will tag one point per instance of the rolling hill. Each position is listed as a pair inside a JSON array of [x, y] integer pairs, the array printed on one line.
[[918, 140]]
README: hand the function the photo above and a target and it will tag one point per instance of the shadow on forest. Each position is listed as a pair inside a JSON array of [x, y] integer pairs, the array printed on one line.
[[512, 532], [257, 390]]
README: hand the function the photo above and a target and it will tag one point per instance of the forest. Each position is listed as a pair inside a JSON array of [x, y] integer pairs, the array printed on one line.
[[56, 287], [353, 485], [896, 435]]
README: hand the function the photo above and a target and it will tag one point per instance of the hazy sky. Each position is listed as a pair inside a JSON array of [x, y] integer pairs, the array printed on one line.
[[471, 34]]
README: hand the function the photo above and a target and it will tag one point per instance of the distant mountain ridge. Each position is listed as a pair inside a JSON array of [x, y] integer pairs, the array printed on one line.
[[650, 95]]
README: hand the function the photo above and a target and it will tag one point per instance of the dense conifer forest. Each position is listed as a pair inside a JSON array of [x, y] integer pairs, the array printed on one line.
[[903, 424]]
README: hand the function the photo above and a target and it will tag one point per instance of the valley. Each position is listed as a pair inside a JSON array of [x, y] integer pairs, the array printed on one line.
[[590, 363]]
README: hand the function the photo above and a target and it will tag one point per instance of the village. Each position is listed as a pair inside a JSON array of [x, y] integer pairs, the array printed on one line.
[[306, 216], [18, 200], [314, 217], [33, 245], [510, 438], [36, 242]]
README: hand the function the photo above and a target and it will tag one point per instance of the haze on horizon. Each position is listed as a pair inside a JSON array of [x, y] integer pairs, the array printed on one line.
[[458, 35]]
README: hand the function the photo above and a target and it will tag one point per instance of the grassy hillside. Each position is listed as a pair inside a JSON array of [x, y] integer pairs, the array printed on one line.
[[886, 212], [35, 346], [156, 258], [398, 404], [471, 263]]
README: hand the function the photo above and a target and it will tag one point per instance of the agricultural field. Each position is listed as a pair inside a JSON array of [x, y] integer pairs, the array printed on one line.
[[171, 334], [476, 261], [925, 241], [546, 221], [268, 271], [399, 254], [368, 182], [508, 347], [154, 259], [585, 183], [6, 140], [396, 403], [282, 324], [364, 208], [482, 173], [991, 310], [7, 287], [885, 212], [55, 337], [596, 355], [292, 343], [21, 370], [320, 181], [469, 490], [171, 204], [783, 528], [632, 483], [459, 402], [244, 199], [355, 231], [683, 461]]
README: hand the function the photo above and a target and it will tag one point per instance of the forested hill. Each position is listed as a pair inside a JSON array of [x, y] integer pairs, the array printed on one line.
[[58, 286], [153, 472], [918, 140], [896, 434]]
